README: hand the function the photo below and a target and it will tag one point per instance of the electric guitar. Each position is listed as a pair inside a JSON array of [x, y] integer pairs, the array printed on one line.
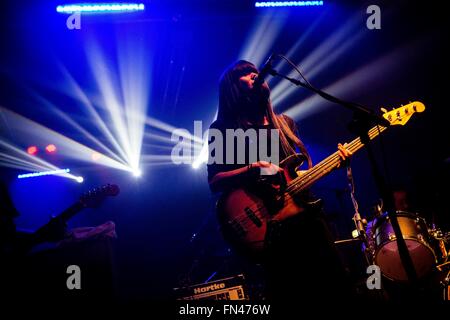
[[243, 213], [54, 229]]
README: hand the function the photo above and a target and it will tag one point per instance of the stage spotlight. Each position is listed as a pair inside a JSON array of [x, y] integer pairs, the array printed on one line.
[[202, 157], [43, 173], [272, 4], [126, 106], [79, 179], [96, 156], [137, 173], [51, 148], [100, 7], [32, 150], [66, 147], [262, 37]]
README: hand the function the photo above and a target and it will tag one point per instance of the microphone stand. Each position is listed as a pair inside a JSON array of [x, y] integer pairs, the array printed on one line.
[[359, 225], [363, 120]]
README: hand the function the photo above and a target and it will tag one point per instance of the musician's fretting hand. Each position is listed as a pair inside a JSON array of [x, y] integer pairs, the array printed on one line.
[[344, 154]]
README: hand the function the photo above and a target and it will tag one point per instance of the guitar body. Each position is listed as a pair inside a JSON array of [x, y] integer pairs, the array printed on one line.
[[243, 213]]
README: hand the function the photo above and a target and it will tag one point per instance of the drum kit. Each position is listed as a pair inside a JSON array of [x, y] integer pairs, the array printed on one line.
[[427, 247]]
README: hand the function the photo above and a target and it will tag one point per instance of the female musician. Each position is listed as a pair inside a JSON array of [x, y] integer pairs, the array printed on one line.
[[299, 255]]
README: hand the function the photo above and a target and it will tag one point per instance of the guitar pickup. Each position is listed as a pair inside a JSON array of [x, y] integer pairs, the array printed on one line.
[[252, 216]]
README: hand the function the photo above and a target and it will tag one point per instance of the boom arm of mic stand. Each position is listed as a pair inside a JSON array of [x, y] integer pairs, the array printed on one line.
[[359, 109], [363, 117]]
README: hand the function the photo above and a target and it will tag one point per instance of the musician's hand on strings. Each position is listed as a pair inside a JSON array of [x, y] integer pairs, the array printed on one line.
[[344, 154], [252, 172], [269, 173], [267, 168]]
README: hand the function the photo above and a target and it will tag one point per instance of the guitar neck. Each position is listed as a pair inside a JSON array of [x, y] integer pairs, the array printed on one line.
[[308, 178], [41, 235], [52, 230], [70, 211]]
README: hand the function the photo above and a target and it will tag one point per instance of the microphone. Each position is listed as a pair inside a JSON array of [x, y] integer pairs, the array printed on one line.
[[264, 72]]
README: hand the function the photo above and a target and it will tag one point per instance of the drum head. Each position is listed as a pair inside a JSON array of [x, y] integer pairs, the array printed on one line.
[[389, 261], [415, 233]]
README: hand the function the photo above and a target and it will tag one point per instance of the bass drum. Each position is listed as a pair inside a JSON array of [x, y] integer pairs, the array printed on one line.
[[385, 251]]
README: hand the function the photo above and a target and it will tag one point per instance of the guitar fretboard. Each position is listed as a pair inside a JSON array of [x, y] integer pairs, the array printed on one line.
[[309, 177], [71, 211]]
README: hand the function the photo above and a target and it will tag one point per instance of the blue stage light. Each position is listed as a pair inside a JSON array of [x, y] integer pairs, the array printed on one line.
[[42, 173], [137, 173], [100, 7], [271, 4]]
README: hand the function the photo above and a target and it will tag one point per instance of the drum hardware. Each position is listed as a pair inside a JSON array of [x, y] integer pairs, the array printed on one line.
[[378, 209], [380, 242], [415, 233], [359, 233], [442, 240], [427, 246], [442, 266], [445, 284]]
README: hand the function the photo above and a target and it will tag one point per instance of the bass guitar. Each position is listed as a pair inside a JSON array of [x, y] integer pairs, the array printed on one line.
[[243, 213]]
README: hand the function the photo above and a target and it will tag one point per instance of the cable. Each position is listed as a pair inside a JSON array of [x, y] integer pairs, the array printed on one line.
[[296, 68], [381, 142]]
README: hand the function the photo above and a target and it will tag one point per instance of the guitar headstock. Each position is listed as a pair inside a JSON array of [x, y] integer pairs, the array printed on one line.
[[400, 116], [93, 197]]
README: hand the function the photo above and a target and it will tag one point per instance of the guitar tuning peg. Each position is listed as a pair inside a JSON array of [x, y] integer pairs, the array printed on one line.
[[383, 110]]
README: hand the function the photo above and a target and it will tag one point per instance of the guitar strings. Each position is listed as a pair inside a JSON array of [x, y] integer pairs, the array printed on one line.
[[307, 177], [318, 170], [256, 209]]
